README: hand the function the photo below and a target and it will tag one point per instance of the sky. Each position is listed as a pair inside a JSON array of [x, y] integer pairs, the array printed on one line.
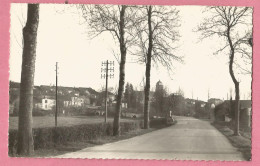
[[62, 38]]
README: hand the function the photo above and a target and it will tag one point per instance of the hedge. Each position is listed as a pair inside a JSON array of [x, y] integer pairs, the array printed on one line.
[[157, 122], [49, 137]]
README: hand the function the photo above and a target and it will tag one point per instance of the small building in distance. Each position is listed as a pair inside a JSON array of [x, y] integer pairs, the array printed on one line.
[[225, 112], [48, 103]]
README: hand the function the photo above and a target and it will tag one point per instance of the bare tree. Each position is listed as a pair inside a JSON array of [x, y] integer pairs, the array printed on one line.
[[25, 136], [245, 49], [156, 30], [116, 20], [230, 24]]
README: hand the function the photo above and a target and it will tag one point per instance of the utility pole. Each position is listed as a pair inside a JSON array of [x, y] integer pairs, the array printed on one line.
[[56, 111], [106, 91], [208, 94], [106, 75]]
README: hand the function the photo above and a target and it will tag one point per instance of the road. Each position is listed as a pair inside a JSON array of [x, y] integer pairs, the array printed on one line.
[[189, 139]]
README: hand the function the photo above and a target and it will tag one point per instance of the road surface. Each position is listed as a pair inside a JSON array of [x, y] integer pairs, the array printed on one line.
[[189, 139]]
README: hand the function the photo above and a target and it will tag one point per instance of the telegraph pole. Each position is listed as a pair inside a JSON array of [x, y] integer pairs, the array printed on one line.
[[106, 91], [106, 75], [56, 111], [208, 94]]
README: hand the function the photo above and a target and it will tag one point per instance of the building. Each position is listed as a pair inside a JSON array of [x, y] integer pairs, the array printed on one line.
[[44, 96], [75, 101], [225, 110], [111, 98], [48, 103], [215, 101], [159, 85]]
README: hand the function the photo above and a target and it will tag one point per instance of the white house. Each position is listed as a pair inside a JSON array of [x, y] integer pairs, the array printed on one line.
[[48, 103], [76, 101]]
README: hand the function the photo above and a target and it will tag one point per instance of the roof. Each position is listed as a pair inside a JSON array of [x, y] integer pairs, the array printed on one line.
[[49, 97], [64, 98], [109, 93], [49, 90]]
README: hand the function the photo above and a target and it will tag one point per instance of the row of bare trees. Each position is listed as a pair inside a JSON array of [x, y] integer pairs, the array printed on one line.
[[145, 31], [148, 32]]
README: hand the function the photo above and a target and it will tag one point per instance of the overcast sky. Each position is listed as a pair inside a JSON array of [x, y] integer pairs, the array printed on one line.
[[62, 38]]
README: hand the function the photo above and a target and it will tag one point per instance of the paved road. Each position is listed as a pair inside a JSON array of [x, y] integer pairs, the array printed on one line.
[[189, 139]]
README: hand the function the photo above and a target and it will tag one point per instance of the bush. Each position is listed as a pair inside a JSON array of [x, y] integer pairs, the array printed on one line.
[[49, 137], [39, 112], [158, 122]]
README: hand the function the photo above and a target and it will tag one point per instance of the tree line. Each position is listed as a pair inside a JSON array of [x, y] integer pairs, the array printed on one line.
[[149, 33]]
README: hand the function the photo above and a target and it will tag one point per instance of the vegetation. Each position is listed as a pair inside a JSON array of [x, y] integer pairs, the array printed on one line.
[[54, 136], [116, 20], [48, 121], [73, 132], [157, 34], [243, 142], [150, 33], [130, 96], [226, 23]]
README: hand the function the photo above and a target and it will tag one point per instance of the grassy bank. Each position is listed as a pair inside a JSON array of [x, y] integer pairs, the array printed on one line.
[[243, 142], [76, 146], [52, 141], [48, 121]]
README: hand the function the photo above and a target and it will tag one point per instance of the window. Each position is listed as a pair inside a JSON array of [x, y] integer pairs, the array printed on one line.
[[46, 101]]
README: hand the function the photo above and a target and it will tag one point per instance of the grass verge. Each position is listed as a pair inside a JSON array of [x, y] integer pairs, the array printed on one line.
[[64, 139], [241, 142], [76, 146]]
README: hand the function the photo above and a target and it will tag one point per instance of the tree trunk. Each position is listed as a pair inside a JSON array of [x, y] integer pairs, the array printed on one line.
[[25, 135], [237, 109], [236, 83], [148, 72], [116, 124]]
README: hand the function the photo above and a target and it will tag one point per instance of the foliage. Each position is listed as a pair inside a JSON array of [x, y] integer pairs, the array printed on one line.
[[157, 122], [49, 137], [40, 112], [159, 98], [178, 105], [201, 112], [130, 96], [160, 122]]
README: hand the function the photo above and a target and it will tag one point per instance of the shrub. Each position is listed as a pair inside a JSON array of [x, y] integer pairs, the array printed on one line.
[[49, 137], [40, 112], [158, 122]]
